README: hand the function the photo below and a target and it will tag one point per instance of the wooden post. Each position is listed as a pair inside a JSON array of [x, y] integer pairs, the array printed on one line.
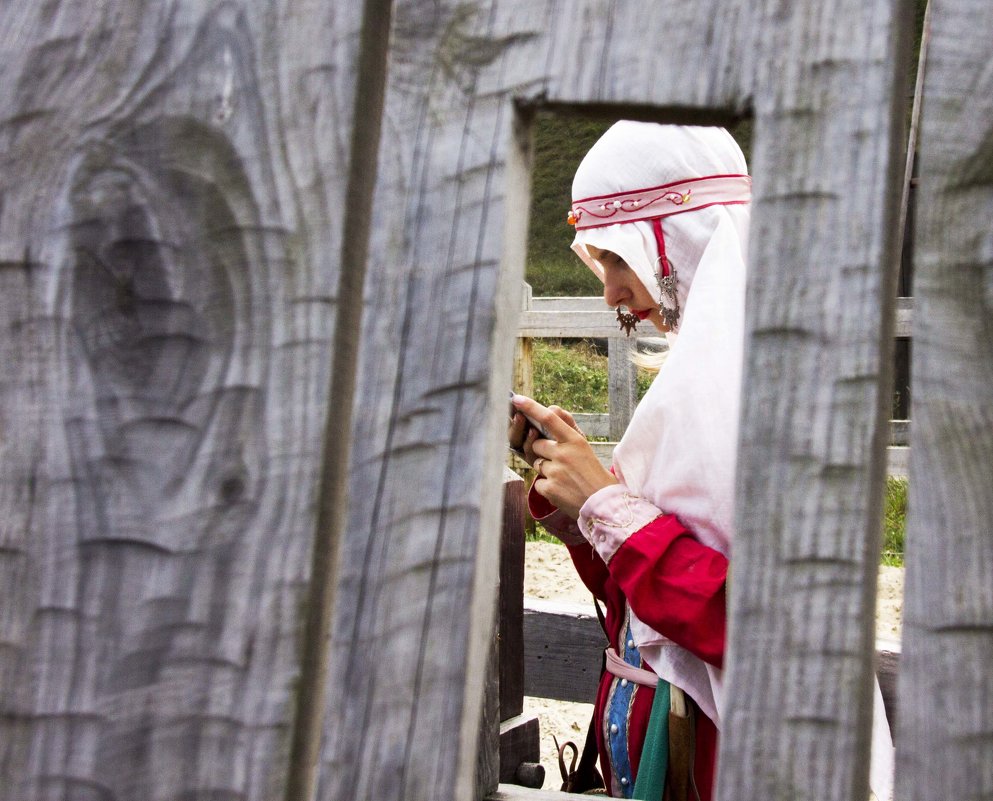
[[511, 604], [524, 354], [518, 740], [945, 747], [622, 385]]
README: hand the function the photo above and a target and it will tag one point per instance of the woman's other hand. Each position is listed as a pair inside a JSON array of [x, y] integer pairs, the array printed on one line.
[[568, 469]]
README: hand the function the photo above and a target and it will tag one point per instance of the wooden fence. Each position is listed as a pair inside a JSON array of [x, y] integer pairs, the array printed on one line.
[[587, 318], [259, 270]]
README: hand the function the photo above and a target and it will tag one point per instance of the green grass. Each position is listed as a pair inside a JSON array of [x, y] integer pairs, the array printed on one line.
[[894, 521], [573, 375]]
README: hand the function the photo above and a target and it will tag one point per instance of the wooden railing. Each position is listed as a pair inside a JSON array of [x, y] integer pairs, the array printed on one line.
[[588, 318]]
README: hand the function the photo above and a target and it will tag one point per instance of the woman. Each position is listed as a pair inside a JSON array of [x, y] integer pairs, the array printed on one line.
[[661, 217]]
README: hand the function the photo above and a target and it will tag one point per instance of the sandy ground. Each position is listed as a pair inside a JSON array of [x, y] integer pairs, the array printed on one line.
[[549, 574]]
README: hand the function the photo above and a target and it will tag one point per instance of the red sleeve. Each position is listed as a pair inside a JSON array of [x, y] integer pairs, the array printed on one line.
[[676, 585]]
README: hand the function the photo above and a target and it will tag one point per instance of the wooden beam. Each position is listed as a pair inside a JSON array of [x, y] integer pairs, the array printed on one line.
[[586, 324], [818, 392], [587, 317], [332, 488], [563, 650]]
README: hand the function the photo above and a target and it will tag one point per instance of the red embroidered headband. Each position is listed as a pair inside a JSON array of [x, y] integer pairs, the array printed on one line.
[[653, 204], [660, 201]]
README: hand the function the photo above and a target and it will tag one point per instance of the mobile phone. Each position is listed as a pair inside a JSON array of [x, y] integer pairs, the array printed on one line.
[[531, 421]]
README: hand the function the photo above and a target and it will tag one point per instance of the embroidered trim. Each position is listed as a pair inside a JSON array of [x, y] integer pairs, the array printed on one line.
[[630, 519], [627, 497], [642, 204]]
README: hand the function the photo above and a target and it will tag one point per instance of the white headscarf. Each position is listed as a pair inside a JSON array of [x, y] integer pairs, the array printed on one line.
[[679, 450]]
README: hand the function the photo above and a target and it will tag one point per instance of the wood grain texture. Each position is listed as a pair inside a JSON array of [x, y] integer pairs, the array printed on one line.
[[168, 296], [826, 160], [945, 748], [417, 585]]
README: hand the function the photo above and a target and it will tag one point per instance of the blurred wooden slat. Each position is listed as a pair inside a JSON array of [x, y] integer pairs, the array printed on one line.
[[945, 748]]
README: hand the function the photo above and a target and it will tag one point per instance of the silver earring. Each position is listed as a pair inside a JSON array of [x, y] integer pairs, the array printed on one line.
[[668, 296], [628, 321]]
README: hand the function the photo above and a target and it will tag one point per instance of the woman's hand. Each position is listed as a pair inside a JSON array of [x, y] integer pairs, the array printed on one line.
[[568, 470]]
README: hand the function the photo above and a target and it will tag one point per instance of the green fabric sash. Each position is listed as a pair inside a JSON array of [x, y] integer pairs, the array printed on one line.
[[649, 784]]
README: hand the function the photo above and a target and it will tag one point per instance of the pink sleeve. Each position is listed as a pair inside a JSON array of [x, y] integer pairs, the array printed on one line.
[[673, 583]]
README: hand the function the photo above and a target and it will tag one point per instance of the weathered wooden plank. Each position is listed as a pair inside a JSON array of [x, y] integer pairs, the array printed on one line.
[[586, 317], [945, 746], [904, 325], [900, 432], [827, 157], [601, 324], [593, 425], [169, 282], [563, 650], [332, 487], [418, 573]]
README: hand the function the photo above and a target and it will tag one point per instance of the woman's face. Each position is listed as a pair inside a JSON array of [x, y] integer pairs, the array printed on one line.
[[621, 287]]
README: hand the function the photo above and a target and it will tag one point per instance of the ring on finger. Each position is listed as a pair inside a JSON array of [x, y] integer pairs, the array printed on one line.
[[537, 464]]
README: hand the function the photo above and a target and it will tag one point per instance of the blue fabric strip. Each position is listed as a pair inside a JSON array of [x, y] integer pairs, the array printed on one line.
[[617, 717]]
